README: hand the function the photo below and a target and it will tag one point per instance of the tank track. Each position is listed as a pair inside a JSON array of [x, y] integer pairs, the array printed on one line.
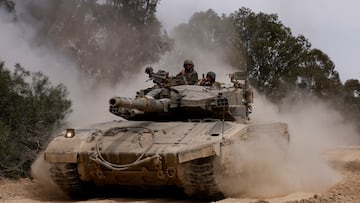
[[199, 180], [66, 177]]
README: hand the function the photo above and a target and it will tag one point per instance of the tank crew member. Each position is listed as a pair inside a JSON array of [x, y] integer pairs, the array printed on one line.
[[189, 73], [209, 80]]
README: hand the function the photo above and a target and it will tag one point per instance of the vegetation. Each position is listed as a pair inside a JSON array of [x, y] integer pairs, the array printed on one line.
[[207, 31], [31, 108], [116, 37], [349, 102], [8, 4], [280, 65], [106, 39]]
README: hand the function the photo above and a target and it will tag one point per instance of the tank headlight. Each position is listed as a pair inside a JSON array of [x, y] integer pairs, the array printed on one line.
[[70, 133]]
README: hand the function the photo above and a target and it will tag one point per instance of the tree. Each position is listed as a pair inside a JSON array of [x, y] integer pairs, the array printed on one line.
[[31, 110], [106, 39], [350, 103], [9, 5], [280, 63], [319, 76], [277, 62], [207, 32]]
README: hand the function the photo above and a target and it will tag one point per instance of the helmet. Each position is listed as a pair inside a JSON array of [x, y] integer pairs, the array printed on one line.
[[212, 75], [188, 62]]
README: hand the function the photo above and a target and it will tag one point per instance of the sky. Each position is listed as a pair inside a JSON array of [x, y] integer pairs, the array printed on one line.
[[331, 26]]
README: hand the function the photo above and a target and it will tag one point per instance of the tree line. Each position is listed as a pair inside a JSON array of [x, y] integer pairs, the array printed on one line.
[[280, 66], [120, 36], [108, 39]]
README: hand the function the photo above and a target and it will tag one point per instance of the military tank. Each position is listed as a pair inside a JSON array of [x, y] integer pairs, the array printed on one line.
[[170, 134]]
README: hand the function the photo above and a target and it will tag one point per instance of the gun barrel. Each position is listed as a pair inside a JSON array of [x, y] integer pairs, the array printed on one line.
[[145, 104]]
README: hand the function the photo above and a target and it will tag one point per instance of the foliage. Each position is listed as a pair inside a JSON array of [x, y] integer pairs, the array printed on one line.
[[281, 65], [106, 39], [9, 5], [30, 109], [350, 103], [278, 62], [206, 31]]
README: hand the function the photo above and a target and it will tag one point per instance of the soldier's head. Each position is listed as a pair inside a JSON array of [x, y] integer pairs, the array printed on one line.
[[211, 76], [188, 65]]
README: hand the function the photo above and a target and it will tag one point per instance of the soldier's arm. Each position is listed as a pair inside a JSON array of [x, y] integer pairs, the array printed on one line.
[[181, 73]]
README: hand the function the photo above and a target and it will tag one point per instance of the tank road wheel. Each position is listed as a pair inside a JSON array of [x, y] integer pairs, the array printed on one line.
[[66, 177], [199, 180]]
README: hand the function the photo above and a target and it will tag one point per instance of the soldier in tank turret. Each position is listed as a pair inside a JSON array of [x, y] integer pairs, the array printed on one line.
[[190, 75], [209, 80]]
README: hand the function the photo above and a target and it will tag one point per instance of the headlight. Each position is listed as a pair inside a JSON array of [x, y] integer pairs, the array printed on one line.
[[70, 133]]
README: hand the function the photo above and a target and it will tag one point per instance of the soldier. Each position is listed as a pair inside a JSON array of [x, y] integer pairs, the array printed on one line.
[[209, 80], [189, 73]]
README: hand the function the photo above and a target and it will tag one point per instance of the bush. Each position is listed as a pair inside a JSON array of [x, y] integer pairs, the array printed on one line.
[[31, 108]]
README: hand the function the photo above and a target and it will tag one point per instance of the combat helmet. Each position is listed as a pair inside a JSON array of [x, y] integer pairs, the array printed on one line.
[[212, 75], [188, 62]]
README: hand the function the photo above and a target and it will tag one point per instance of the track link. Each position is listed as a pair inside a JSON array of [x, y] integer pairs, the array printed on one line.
[[66, 177], [199, 180]]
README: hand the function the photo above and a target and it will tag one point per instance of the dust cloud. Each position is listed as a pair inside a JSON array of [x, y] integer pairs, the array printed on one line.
[[204, 60], [268, 168], [40, 171], [89, 100], [259, 169], [312, 122]]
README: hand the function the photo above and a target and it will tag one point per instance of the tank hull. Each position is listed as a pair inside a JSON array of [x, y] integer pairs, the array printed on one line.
[[150, 154]]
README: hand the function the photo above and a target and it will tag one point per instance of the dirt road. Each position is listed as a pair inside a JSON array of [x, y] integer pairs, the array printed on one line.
[[345, 160]]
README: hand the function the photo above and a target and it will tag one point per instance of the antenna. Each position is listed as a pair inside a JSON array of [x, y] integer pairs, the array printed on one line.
[[222, 102]]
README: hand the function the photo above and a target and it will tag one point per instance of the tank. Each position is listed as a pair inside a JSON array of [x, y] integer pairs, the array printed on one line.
[[169, 135]]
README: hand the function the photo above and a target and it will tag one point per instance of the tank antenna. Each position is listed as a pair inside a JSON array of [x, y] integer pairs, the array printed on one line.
[[222, 102], [223, 125]]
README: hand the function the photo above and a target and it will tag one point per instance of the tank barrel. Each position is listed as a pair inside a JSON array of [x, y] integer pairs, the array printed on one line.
[[145, 104]]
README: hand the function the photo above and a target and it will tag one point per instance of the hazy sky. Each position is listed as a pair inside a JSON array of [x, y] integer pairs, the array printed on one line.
[[332, 26]]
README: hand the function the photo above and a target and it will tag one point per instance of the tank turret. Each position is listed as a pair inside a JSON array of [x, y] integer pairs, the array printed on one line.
[[170, 99]]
